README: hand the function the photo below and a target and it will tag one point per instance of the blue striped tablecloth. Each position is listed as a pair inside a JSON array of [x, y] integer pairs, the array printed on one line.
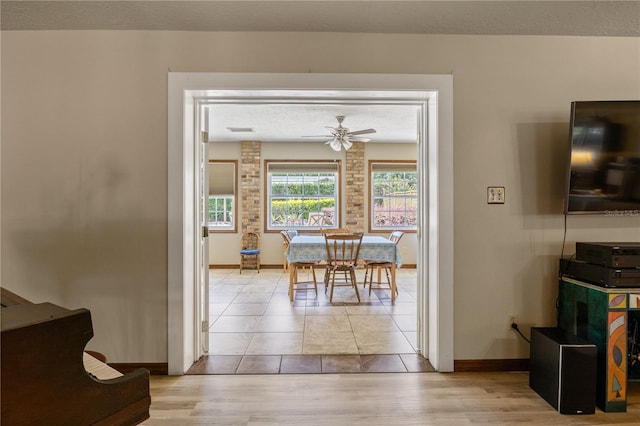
[[312, 248]]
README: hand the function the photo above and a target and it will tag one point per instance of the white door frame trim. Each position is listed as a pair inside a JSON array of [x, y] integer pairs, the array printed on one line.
[[435, 233]]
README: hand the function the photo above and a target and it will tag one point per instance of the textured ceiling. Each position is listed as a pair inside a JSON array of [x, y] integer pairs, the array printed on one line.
[[293, 122], [523, 17]]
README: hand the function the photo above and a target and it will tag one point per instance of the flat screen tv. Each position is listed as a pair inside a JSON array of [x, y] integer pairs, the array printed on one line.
[[604, 166]]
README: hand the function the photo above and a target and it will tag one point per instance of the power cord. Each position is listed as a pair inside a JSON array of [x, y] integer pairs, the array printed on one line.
[[515, 327], [564, 239]]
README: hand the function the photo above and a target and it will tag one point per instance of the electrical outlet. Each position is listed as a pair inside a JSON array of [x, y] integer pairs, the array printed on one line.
[[495, 195], [513, 319]]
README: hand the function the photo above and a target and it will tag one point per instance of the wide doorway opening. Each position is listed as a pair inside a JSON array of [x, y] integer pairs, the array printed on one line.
[[434, 240]]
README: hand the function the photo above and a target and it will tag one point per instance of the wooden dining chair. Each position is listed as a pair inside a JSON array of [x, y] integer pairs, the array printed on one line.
[[286, 239], [342, 259], [250, 250], [371, 266], [325, 231], [295, 267], [295, 284]]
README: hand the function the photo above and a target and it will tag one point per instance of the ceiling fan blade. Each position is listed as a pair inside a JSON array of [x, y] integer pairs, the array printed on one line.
[[362, 132], [341, 137]]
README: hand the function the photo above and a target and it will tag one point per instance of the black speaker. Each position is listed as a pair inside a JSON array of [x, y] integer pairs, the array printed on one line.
[[562, 370]]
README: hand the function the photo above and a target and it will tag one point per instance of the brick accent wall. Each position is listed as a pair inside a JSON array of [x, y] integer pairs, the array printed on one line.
[[250, 184], [251, 187], [355, 187]]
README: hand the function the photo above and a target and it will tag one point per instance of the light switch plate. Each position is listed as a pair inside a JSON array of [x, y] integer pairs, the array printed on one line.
[[495, 195]]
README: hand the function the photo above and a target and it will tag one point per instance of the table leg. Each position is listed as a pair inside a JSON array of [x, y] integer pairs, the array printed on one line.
[[393, 282], [292, 279]]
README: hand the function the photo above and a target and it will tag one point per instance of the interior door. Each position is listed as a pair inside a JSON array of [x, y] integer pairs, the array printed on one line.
[[202, 154]]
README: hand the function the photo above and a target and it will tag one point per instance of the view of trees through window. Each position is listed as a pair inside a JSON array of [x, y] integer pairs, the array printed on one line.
[[220, 211], [299, 199], [394, 199], [222, 195]]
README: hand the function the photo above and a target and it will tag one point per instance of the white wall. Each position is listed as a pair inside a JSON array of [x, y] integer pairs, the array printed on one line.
[[84, 164]]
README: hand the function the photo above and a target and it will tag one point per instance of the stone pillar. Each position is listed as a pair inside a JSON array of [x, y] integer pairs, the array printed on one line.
[[355, 188], [250, 184]]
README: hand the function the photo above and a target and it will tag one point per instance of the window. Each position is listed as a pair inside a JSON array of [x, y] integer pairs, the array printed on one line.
[[302, 195], [222, 196], [393, 195]]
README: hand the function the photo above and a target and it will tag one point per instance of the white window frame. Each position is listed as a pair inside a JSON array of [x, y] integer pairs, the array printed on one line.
[[390, 166], [301, 166], [221, 226], [233, 227]]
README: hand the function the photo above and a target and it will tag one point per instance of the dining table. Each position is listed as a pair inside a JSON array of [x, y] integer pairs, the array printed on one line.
[[374, 248]]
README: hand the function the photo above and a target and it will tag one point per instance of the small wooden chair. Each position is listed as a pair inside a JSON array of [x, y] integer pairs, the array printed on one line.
[[295, 284], [286, 239], [250, 250], [342, 259], [326, 231], [395, 237]]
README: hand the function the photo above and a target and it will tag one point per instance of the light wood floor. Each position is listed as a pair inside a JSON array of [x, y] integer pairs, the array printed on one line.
[[364, 399]]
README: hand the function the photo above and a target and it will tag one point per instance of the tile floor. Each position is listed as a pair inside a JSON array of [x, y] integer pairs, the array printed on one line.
[[254, 328]]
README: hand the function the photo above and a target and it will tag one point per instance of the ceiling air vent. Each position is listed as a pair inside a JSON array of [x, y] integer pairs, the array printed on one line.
[[240, 129]]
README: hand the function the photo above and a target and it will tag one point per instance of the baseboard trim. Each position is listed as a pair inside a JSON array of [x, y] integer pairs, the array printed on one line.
[[236, 266], [155, 368], [279, 266], [486, 365]]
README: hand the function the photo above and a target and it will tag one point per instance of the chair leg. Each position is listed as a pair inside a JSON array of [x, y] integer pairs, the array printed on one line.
[[366, 272], [315, 282], [333, 282], [354, 283], [371, 281], [293, 279], [386, 271], [326, 278]]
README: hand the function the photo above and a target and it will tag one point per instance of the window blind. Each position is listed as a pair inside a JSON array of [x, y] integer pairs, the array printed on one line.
[[222, 179]]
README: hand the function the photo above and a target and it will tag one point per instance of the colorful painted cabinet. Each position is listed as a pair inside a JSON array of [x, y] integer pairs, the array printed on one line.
[[601, 315]]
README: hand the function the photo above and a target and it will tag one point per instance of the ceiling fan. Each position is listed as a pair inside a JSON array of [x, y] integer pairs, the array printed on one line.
[[342, 137]]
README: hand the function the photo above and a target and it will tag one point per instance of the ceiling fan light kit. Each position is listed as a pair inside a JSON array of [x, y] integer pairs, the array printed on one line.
[[342, 137], [335, 144]]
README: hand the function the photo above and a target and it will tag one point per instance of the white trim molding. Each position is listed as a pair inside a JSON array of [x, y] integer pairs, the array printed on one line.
[[434, 94]]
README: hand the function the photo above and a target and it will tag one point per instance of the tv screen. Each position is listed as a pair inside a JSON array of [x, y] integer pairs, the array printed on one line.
[[604, 169]]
